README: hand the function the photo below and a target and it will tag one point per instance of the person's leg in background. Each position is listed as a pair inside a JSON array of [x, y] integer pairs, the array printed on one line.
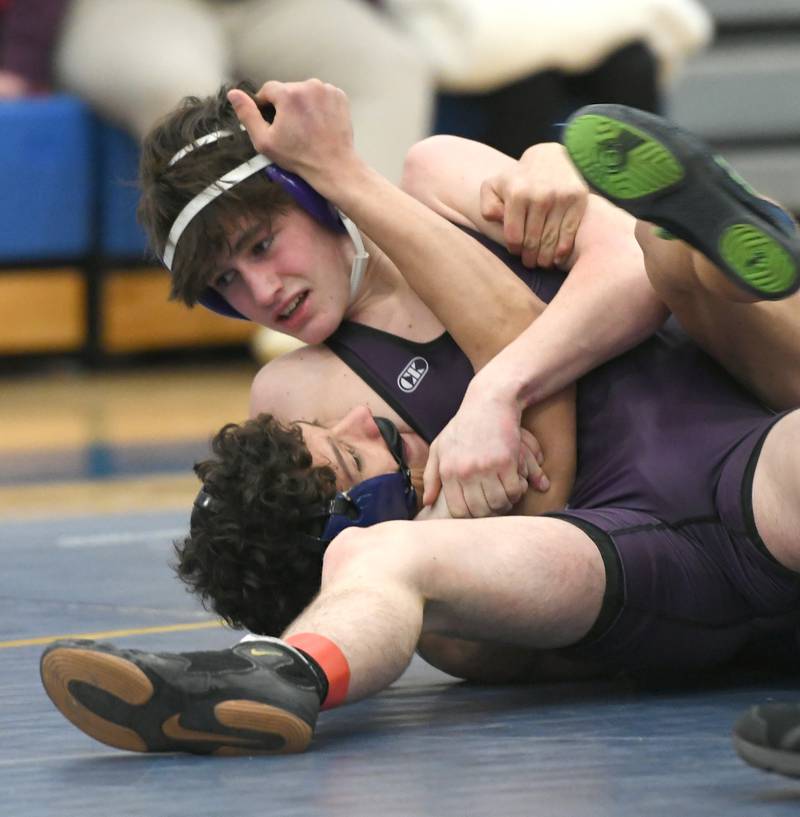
[[351, 45], [525, 112], [629, 76], [134, 61], [534, 108]]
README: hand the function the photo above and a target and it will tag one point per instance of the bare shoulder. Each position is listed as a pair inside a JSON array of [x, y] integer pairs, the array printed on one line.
[[287, 385], [312, 383]]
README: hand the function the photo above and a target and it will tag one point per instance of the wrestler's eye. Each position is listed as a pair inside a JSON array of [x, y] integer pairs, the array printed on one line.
[[356, 458], [261, 247], [224, 279]]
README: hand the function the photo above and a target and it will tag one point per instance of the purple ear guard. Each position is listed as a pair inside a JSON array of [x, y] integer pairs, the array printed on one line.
[[304, 195]]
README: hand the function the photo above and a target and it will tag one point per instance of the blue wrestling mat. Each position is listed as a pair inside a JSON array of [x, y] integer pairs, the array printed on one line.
[[426, 746]]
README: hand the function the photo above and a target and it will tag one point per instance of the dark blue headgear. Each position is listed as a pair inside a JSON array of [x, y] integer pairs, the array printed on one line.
[[378, 499]]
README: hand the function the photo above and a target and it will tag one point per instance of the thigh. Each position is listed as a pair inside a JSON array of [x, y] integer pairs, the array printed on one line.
[[776, 492], [756, 342], [135, 59], [532, 582], [528, 581], [487, 662], [684, 596]]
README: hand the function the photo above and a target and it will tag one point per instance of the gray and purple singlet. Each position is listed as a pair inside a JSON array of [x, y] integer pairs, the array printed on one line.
[[667, 446]]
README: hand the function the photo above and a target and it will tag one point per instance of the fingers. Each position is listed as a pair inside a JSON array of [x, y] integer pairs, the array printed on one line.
[[488, 492], [534, 228], [571, 220], [430, 477], [531, 467], [549, 237], [531, 460], [248, 113], [475, 499], [519, 226], [492, 208]]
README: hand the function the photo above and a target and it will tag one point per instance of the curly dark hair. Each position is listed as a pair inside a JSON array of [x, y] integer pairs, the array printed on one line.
[[166, 189], [242, 554]]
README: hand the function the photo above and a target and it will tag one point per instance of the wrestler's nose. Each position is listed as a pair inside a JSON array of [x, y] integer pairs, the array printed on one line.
[[264, 286], [359, 422]]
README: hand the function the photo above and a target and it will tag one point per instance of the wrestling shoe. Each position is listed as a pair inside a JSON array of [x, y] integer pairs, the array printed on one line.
[[662, 174], [259, 697], [768, 736]]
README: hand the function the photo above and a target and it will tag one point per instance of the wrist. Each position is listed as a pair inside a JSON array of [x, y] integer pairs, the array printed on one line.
[[499, 387], [339, 181]]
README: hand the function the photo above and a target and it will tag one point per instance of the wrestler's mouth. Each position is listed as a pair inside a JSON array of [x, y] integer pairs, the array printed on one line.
[[293, 306]]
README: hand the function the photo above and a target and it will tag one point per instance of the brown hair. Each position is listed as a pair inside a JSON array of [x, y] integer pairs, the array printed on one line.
[[242, 555], [166, 190]]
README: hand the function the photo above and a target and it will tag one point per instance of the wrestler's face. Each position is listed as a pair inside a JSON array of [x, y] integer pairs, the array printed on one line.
[[356, 451], [292, 275]]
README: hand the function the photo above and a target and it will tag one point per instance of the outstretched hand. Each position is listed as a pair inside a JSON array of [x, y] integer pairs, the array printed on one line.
[[311, 133], [540, 202]]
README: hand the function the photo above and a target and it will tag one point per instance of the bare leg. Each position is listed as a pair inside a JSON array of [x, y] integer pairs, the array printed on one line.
[[664, 175], [528, 582], [756, 341], [776, 492]]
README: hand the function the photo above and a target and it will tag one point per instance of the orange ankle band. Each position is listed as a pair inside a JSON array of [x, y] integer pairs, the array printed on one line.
[[332, 661]]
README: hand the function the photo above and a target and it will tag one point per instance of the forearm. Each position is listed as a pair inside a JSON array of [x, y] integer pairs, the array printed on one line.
[[481, 302], [605, 306]]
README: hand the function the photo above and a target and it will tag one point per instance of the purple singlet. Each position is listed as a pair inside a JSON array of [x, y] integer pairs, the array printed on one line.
[[667, 446]]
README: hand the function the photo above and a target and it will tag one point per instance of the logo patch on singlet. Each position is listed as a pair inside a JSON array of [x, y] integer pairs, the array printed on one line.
[[412, 374]]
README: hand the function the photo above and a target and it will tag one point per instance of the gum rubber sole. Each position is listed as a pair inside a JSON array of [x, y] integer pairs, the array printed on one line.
[[262, 729], [663, 175], [770, 760], [757, 259], [620, 160]]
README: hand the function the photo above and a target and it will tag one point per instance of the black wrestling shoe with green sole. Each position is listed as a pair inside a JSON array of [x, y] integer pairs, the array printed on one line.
[[662, 174], [259, 697], [768, 736]]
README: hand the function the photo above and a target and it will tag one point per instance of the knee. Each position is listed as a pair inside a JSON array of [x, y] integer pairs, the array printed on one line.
[[667, 263], [370, 554]]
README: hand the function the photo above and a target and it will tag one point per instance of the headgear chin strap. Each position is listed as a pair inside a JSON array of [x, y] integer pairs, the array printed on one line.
[[378, 499], [303, 194]]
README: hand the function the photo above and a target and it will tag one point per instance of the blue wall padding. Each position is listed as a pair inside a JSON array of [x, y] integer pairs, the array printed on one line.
[[46, 168], [119, 236]]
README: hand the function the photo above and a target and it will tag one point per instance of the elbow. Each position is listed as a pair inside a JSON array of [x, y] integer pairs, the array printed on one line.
[[421, 165]]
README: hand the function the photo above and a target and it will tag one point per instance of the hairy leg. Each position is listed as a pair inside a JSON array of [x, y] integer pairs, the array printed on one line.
[[535, 583], [776, 492], [756, 341]]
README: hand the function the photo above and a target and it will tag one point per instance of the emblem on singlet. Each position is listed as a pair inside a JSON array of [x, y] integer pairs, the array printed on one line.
[[412, 374]]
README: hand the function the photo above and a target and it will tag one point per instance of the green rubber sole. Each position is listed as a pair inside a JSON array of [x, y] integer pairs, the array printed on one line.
[[757, 259], [620, 160]]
